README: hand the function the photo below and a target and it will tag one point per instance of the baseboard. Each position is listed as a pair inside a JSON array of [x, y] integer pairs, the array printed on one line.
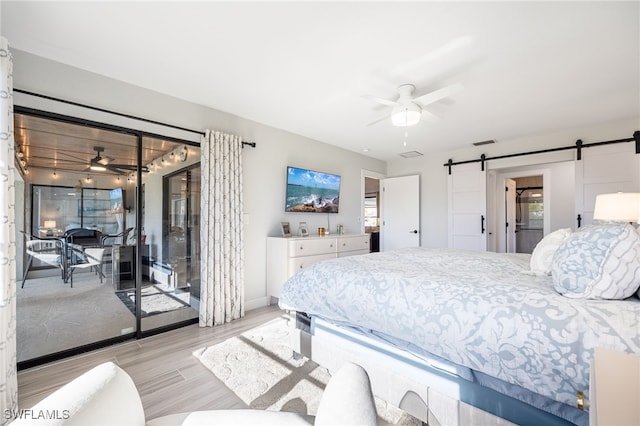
[[256, 303]]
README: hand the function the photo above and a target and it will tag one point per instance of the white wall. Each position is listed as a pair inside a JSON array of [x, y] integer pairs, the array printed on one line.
[[264, 167], [433, 174]]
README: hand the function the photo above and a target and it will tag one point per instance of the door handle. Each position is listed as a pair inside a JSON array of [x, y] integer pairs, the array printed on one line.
[[415, 231], [482, 224]]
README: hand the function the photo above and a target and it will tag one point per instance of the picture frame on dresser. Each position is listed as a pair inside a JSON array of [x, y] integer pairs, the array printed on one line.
[[303, 231], [285, 228]]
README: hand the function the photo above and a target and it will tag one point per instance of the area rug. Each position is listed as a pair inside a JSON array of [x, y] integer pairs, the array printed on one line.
[[155, 300], [259, 367]]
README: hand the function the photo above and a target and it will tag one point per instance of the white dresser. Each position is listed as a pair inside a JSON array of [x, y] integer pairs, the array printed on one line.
[[286, 256]]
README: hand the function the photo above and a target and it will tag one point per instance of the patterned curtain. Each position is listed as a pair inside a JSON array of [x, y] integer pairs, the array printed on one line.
[[8, 377], [221, 233]]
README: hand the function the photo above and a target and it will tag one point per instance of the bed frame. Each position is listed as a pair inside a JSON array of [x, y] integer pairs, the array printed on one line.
[[429, 393]]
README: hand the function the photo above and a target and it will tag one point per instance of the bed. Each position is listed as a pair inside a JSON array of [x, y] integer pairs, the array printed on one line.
[[479, 329]]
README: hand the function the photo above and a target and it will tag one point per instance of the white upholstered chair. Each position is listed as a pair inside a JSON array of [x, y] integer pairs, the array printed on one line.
[[106, 395]]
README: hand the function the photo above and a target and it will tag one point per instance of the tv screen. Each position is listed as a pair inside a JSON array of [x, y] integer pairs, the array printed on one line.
[[116, 198], [312, 192]]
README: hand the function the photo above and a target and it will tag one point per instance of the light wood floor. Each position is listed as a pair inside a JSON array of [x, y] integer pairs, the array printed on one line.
[[168, 377]]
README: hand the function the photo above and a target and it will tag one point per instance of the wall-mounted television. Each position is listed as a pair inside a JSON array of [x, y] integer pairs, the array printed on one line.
[[309, 191], [116, 198]]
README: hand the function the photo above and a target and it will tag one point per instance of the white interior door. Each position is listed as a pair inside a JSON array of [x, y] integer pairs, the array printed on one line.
[[467, 189], [604, 169], [400, 212], [510, 213]]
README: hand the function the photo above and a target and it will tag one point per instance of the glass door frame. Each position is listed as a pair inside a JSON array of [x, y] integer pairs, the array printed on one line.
[[139, 134]]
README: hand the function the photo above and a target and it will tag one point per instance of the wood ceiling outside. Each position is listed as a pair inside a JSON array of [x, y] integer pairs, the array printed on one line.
[[53, 144]]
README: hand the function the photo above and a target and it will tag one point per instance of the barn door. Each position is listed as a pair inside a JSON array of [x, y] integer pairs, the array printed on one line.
[[604, 169], [467, 188]]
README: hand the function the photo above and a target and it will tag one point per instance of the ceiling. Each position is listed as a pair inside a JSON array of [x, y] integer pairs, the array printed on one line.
[[68, 147], [526, 67]]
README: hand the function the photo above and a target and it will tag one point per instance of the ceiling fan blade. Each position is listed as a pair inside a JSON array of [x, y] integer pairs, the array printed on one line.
[[128, 167], [436, 95], [104, 160], [114, 169], [380, 100], [386, 117]]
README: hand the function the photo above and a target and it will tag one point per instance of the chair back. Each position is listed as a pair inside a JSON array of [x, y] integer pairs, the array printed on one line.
[[84, 237], [116, 239]]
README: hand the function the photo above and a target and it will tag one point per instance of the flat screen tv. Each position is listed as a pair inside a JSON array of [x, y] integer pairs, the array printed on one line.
[[309, 191], [116, 197]]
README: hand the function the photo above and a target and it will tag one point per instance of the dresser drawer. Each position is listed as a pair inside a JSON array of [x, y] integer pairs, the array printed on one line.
[[312, 247], [298, 263], [355, 243]]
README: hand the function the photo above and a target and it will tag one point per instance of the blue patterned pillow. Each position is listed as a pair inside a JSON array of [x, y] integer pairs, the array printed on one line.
[[598, 262]]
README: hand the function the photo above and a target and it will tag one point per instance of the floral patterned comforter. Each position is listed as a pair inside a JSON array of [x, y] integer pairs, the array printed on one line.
[[479, 310]]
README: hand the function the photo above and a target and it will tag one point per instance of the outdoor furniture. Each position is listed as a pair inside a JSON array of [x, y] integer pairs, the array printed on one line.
[[64, 254], [83, 258], [47, 251]]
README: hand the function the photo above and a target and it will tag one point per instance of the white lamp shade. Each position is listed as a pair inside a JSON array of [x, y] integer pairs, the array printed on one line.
[[49, 223], [618, 207], [406, 115]]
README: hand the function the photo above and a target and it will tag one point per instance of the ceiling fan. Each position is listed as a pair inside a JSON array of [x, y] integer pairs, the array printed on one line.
[[407, 110], [101, 164]]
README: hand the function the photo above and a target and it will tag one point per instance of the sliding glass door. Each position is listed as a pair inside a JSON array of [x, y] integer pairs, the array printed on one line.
[[171, 283], [98, 261], [75, 209]]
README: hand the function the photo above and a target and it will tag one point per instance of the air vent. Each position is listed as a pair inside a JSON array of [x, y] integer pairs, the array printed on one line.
[[410, 154], [490, 141]]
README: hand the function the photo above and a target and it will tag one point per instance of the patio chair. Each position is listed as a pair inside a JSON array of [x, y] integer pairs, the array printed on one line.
[[83, 258], [47, 251]]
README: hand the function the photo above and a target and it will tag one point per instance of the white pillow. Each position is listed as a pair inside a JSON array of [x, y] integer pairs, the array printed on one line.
[[598, 262], [542, 255]]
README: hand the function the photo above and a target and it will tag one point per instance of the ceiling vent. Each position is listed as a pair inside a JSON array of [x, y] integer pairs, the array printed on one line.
[[490, 141], [410, 154]]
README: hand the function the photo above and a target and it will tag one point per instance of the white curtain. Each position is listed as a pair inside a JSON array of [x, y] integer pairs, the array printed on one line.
[[8, 377], [221, 233]]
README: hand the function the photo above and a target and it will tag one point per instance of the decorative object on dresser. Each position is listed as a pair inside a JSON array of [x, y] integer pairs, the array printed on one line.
[[302, 230], [285, 228], [286, 256]]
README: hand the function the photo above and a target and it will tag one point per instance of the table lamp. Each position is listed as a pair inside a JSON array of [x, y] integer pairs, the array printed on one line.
[[618, 207], [51, 224]]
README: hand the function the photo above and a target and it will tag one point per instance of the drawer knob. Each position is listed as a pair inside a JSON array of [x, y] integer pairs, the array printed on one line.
[[301, 266], [344, 244]]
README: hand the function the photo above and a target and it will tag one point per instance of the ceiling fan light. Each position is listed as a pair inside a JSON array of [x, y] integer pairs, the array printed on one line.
[[97, 168], [406, 115]]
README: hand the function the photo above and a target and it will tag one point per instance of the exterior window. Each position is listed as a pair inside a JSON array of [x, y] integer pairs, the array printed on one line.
[[57, 209]]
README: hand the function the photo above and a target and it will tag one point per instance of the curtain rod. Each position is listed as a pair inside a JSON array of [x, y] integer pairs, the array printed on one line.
[[578, 147], [133, 117]]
